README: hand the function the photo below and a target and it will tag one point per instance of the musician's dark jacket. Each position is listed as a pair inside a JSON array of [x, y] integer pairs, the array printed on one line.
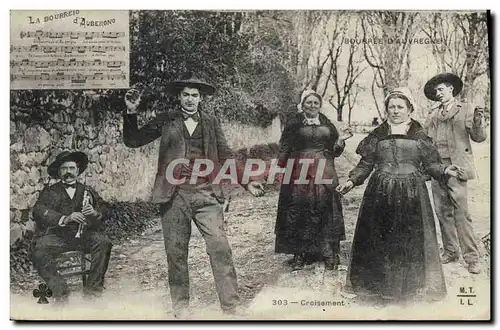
[[54, 202]]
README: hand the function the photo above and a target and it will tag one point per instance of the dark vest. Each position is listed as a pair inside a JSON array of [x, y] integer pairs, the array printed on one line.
[[194, 149], [194, 143]]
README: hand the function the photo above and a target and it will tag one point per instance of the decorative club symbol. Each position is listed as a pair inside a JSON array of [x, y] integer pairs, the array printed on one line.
[[42, 293]]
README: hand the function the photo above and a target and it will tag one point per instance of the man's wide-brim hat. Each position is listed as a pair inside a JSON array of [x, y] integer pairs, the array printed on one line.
[[78, 157], [189, 79], [453, 79]]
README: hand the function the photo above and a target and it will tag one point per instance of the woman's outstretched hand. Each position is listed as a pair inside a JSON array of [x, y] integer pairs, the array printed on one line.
[[346, 134], [455, 171], [345, 187]]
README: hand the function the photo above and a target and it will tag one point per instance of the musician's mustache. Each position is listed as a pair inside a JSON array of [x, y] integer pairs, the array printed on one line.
[[68, 176]]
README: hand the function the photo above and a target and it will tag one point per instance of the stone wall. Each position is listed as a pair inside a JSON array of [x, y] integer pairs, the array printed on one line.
[[115, 171]]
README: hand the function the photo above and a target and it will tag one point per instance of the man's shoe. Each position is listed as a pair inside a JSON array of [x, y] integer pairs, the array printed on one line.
[[298, 262], [235, 311], [182, 313], [93, 291], [474, 268], [310, 258], [331, 263], [447, 258], [92, 294], [61, 301]]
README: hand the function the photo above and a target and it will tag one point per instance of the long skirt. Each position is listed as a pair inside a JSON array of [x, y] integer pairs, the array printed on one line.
[[309, 220], [395, 251]]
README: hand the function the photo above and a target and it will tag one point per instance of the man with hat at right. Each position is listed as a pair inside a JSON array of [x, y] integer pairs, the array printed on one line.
[[68, 215], [452, 125]]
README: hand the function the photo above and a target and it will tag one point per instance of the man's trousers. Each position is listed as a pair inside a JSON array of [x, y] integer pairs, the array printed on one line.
[[49, 246], [450, 202], [197, 203]]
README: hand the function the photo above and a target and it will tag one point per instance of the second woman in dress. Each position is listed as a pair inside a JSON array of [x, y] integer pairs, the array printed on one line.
[[310, 222], [395, 252]]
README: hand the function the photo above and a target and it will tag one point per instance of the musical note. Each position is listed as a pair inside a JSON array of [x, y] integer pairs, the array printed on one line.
[[69, 63], [72, 35], [66, 49], [91, 51]]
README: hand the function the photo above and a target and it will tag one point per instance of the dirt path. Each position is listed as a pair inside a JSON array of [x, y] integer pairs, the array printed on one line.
[[137, 286]]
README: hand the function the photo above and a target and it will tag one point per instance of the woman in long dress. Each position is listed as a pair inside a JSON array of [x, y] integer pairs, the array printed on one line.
[[395, 252], [310, 221]]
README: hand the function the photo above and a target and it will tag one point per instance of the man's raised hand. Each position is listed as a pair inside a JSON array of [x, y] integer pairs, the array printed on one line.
[[132, 100]]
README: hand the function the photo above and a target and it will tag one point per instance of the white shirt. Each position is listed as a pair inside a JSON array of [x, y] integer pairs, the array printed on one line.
[[191, 125], [312, 121], [401, 128], [448, 105], [71, 193]]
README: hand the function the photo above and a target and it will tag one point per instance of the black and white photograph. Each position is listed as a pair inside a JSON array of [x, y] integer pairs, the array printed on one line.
[[180, 165]]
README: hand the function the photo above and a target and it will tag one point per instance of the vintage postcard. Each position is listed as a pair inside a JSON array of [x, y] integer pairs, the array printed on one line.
[[250, 165]]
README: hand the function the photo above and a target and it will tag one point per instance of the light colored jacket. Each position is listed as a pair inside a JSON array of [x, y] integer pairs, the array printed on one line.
[[460, 130]]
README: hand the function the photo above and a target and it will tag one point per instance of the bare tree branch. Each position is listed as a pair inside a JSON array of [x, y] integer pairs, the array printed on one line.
[[375, 99], [365, 51]]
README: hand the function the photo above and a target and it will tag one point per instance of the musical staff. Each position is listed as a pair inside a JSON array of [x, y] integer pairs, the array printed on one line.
[[74, 78], [69, 63], [65, 49], [71, 35], [91, 51]]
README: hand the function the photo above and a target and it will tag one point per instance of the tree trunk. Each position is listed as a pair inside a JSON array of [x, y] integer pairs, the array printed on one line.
[[375, 99], [339, 113], [487, 96], [467, 91], [304, 40], [391, 60]]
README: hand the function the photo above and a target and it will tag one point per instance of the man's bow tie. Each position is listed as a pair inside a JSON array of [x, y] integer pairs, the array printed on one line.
[[195, 116], [69, 185]]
